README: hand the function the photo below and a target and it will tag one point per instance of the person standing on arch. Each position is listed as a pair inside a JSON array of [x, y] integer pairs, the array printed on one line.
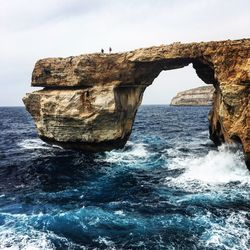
[[110, 49], [102, 50]]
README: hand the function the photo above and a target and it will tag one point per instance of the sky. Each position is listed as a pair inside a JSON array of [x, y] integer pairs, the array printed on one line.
[[34, 29]]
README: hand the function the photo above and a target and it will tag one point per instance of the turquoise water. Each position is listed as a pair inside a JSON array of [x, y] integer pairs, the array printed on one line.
[[169, 188]]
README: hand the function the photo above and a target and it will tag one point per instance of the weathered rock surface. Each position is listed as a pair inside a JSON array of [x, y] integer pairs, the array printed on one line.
[[89, 101], [201, 96]]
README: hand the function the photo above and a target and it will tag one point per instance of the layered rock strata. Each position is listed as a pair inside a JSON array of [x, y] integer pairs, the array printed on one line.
[[201, 96], [89, 102]]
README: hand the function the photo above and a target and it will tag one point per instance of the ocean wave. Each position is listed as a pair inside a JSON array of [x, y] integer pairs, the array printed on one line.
[[205, 132], [133, 152], [106, 242], [35, 144], [232, 233], [31, 232], [31, 239], [12, 238], [215, 168]]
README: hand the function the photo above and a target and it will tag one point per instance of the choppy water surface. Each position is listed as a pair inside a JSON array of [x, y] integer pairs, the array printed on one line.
[[169, 188]]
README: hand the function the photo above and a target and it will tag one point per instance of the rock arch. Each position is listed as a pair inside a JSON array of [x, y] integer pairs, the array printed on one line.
[[89, 102]]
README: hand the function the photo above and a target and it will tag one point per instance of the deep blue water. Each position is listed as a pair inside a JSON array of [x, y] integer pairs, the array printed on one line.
[[169, 188]]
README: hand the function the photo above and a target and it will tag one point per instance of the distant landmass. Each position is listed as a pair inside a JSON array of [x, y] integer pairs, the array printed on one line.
[[201, 96]]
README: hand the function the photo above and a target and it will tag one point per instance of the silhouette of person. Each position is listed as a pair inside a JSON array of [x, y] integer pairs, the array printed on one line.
[[110, 49], [102, 50]]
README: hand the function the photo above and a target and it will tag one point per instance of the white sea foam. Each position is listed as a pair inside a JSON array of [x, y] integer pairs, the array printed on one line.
[[205, 132], [233, 233], [109, 243], [217, 167], [16, 238], [120, 212], [35, 144], [133, 153], [34, 240], [17, 232]]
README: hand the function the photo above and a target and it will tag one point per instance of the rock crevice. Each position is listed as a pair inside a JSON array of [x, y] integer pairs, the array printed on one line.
[[89, 102]]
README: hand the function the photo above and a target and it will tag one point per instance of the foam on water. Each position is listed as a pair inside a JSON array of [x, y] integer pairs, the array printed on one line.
[[18, 232], [36, 144], [232, 233], [33, 144], [215, 168], [132, 152], [218, 178], [107, 242], [13, 238], [120, 212]]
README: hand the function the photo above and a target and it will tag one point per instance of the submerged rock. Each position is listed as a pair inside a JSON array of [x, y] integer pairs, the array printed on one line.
[[89, 102], [201, 96]]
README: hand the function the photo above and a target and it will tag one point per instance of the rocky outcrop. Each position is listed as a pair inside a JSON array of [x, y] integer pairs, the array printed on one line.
[[201, 96], [89, 102]]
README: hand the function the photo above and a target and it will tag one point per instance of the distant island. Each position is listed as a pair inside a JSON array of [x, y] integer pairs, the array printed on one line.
[[201, 96]]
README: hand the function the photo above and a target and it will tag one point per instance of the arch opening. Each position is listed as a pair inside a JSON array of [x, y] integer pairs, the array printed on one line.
[[129, 97], [169, 82]]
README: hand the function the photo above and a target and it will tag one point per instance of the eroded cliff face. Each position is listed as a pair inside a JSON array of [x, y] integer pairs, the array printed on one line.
[[89, 102], [201, 96]]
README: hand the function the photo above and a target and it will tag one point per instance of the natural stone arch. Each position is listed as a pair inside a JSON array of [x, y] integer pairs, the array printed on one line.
[[89, 102]]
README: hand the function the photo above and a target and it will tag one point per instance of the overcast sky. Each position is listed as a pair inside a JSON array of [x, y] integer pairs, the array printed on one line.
[[34, 29]]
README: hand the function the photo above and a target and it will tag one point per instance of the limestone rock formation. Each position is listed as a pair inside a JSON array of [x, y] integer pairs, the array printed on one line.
[[201, 96], [89, 102]]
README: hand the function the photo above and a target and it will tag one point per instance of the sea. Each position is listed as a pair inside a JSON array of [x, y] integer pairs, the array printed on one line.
[[168, 188]]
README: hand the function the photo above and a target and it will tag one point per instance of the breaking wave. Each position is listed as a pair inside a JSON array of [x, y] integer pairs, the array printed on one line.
[[222, 166], [36, 144], [33, 144], [131, 153]]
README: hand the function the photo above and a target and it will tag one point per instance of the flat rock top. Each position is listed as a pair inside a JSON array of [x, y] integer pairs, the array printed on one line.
[[127, 68]]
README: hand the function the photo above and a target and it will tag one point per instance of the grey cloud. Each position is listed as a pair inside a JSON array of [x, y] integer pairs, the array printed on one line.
[[25, 14], [33, 29]]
